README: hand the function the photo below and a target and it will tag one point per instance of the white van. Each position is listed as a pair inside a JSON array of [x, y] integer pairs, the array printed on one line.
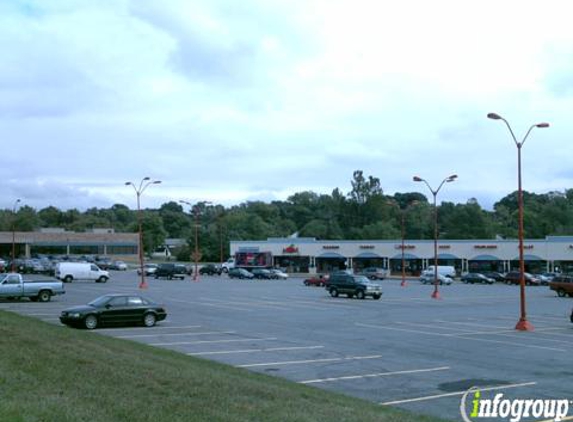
[[445, 270], [70, 271]]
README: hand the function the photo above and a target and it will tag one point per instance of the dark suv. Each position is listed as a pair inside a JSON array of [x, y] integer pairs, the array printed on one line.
[[170, 271], [513, 277], [210, 269], [353, 285]]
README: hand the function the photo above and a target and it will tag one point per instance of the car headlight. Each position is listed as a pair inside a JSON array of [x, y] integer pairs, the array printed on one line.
[[74, 315]]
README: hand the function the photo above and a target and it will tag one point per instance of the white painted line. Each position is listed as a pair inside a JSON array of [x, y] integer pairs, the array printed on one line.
[[461, 336], [457, 393], [274, 349], [175, 334], [296, 362], [240, 340], [157, 327], [214, 305], [375, 375]]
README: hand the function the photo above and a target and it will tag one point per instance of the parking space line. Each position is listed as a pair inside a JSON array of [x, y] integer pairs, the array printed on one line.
[[273, 349], [214, 305], [297, 362], [461, 336], [236, 340], [250, 303], [176, 334], [375, 375], [456, 393], [181, 327]]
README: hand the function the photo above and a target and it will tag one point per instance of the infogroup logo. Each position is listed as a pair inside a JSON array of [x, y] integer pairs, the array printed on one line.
[[514, 410]]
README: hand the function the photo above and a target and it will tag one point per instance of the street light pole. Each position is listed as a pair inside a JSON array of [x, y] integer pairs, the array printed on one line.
[[145, 182], [403, 234], [451, 178], [196, 253], [523, 324], [14, 235]]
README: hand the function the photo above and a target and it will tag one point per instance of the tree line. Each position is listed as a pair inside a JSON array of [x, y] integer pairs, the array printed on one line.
[[364, 212]]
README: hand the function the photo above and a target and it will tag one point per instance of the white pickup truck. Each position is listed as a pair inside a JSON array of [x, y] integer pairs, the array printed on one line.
[[13, 286]]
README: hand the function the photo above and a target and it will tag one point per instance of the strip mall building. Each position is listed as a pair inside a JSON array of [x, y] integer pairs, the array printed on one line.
[[308, 255]]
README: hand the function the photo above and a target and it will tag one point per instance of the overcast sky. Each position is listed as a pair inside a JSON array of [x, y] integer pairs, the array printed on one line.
[[229, 101]]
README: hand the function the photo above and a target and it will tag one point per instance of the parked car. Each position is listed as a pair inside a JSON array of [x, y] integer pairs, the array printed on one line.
[[476, 278], [262, 273], [353, 285], [278, 274], [374, 273], [210, 269], [114, 309], [118, 266], [320, 280], [13, 286], [72, 271], [562, 284], [514, 277], [170, 271], [240, 273], [543, 279], [429, 279], [495, 275], [148, 268]]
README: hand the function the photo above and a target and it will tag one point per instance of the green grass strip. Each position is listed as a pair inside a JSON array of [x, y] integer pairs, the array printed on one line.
[[58, 374]]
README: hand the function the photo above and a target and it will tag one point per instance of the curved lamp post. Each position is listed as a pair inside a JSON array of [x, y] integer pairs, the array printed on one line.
[[403, 212], [145, 182], [523, 324], [196, 253], [14, 235], [436, 293]]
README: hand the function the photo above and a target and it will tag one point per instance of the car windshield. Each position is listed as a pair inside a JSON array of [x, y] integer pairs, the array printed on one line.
[[100, 301], [361, 279]]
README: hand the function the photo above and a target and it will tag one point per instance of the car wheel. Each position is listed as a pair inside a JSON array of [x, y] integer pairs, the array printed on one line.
[[44, 296], [376, 297], [561, 293], [334, 292], [102, 279], [359, 294], [68, 279], [149, 320], [306, 283], [90, 322]]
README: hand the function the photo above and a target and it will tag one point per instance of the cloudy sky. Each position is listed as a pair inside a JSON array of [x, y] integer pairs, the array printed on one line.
[[229, 101]]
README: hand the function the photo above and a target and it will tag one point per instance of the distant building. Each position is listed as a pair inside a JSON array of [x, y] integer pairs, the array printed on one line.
[[56, 241]]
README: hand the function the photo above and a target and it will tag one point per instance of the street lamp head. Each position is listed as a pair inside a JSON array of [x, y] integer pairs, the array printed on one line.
[[128, 183], [494, 116], [146, 179], [156, 182], [417, 179], [452, 178], [542, 125]]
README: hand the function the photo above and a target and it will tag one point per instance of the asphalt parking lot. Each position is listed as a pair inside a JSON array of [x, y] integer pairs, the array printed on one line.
[[404, 350]]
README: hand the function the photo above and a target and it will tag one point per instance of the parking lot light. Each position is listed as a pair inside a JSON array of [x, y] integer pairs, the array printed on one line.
[[145, 182], [14, 235], [523, 324], [197, 253], [451, 178]]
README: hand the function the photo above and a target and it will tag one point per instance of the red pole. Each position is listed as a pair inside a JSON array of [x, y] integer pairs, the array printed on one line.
[[143, 283], [523, 324], [436, 294], [403, 283]]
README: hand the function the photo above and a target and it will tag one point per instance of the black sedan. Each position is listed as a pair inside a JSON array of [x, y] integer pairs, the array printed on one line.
[[114, 309], [477, 278]]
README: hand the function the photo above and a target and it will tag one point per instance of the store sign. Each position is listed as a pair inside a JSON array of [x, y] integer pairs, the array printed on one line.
[[485, 246], [330, 247], [527, 246], [366, 246], [405, 247], [290, 249], [444, 246]]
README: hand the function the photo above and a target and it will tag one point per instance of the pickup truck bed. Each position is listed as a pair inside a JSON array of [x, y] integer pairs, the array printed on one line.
[[13, 286]]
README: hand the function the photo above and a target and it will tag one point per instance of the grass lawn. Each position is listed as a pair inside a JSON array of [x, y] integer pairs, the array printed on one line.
[[58, 374]]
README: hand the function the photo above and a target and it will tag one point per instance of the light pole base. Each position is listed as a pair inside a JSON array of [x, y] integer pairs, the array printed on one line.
[[524, 325], [403, 283], [195, 279], [143, 286], [436, 295]]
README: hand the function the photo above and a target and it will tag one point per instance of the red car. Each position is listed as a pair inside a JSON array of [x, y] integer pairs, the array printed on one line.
[[321, 281]]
